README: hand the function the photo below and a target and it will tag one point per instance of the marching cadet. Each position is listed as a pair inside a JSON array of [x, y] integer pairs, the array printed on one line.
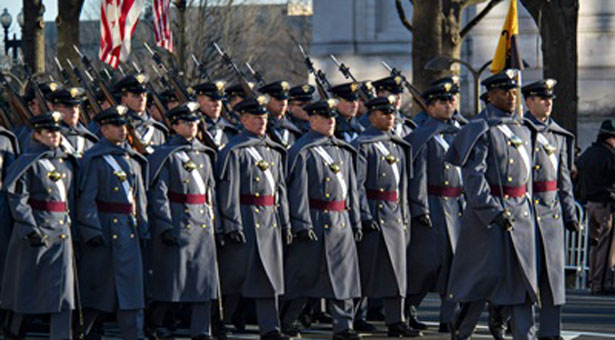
[[458, 119], [75, 137], [436, 202], [112, 220], [133, 94], [23, 132], [250, 170], [182, 222], [554, 202], [347, 127], [209, 96], [279, 128], [597, 187], [392, 86], [495, 258], [169, 99], [299, 97], [322, 262], [39, 188], [9, 149], [383, 170]]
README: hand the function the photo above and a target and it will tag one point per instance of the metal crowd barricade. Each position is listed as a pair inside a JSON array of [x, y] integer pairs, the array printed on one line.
[[577, 251]]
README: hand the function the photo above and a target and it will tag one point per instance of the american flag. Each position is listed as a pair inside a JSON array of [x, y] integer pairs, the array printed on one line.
[[162, 24], [118, 19]]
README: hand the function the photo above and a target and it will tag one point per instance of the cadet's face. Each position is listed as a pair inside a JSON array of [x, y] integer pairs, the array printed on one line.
[[135, 101], [277, 107], [348, 108], [48, 137], [186, 129], [34, 108], [503, 99], [211, 108], [382, 121], [323, 125], [114, 134], [441, 109], [70, 112], [539, 107], [256, 124], [296, 109]]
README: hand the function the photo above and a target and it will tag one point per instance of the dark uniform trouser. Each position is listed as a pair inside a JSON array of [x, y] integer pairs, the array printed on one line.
[[342, 313], [200, 316], [602, 251], [129, 321], [549, 316], [522, 318], [447, 307], [267, 312], [59, 324]]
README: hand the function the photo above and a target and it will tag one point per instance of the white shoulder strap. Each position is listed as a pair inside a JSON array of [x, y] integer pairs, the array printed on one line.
[[542, 139], [268, 175], [339, 175], [196, 175], [118, 169], [385, 152], [525, 156], [59, 183]]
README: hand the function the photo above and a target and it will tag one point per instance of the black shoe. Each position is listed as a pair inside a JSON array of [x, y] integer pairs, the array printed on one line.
[[321, 317], [291, 330], [203, 337], [402, 330], [413, 320], [363, 326], [349, 334], [443, 328], [305, 320], [274, 335], [496, 326], [219, 331]]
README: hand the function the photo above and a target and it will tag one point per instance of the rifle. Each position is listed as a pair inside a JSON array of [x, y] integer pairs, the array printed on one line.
[[89, 91], [171, 75], [319, 76], [5, 119], [416, 94], [133, 139], [245, 84], [16, 101], [227, 110], [38, 94], [345, 70], [257, 76], [83, 116]]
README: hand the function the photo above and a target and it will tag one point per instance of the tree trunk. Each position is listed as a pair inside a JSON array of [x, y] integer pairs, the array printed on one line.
[[426, 40], [34, 38], [67, 23], [181, 33], [557, 22]]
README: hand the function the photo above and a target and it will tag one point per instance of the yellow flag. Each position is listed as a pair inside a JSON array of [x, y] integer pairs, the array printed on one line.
[[507, 54]]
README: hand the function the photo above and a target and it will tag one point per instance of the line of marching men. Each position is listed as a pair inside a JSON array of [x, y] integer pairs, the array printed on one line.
[[304, 200]]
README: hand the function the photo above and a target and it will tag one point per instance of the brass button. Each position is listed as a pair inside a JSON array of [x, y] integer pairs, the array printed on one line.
[[201, 211], [326, 226], [460, 214], [126, 156], [445, 182], [327, 179], [537, 149], [275, 225], [326, 211], [50, 190], [186, 210], [188, 226], [187, 180], [257, 225], [506, 197], [381, 189], [538, 218], [203, 226], [342, 225], [256, 210], [381, 206], [196, 152], [537, 167], [62, 236], [257, 179], [61, 222], [256, 194], [535, 201], [114, 236], [61, 160], [556, 216], [46, 221], [201, 165], [446, 166], [382, 157], [399, 220], [381, 221], [116, 189], [327, 195], [132, 235], [114, 220], [509, 179], [384, 174], [511, 161], [525, 213], [450, 296]]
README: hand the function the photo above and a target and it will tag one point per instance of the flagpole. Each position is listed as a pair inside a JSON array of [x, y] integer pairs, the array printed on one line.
[[519, 103]]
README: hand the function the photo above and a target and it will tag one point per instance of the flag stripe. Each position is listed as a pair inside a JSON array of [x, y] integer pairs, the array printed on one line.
[[118, 21], [162, 24]]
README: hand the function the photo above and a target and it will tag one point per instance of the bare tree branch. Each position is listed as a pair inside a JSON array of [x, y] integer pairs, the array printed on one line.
[[402, 15], [478, 18]]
